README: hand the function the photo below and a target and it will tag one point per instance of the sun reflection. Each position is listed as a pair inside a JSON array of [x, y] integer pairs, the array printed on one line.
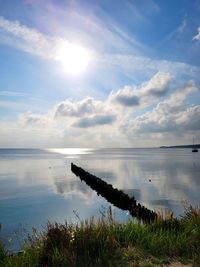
[[71, 151]]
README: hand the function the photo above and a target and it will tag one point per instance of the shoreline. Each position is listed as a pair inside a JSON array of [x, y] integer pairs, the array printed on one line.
[[106, 242]]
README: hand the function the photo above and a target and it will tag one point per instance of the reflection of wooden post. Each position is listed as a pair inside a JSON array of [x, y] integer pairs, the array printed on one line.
[[116, 197]]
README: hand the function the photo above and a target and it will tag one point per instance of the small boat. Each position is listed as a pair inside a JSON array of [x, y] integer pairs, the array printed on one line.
[[194, 148]]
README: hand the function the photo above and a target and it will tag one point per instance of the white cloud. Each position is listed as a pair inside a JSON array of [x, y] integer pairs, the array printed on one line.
[[170, 115], [95, 121], [127, 96], [157, 85], [88, 112], [29, 119], [79, 108], [31, 40], [127, 61], [12, 93], [190, 118], [37, 43], [197, 37], [130, 63], [139, 67], [102, 32], [81, 114], [84, 113], [27, 39], [142, 95]]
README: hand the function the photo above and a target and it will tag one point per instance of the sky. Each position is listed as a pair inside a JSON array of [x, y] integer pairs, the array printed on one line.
[[99, 73]]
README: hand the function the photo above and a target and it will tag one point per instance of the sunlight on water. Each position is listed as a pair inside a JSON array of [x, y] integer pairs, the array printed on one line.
[[70, 151]]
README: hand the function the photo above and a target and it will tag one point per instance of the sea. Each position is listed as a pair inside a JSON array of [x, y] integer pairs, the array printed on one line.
[[37, 185]]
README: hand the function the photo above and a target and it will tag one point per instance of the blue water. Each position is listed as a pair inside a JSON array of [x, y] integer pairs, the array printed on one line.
[[37, 186]]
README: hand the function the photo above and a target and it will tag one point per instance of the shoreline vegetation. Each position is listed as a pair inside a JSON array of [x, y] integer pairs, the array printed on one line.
[[152, 240], [106, 242]]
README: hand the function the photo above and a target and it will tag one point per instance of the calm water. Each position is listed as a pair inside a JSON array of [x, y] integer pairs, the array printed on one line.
[[37, 185]]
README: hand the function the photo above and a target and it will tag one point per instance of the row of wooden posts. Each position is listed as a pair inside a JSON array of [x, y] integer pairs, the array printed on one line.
[[116, 197]]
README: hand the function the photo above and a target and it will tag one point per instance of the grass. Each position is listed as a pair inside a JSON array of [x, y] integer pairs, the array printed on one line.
[[109, 243]]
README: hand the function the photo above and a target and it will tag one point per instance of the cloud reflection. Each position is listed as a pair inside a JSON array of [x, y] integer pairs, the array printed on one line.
[[174, 179]]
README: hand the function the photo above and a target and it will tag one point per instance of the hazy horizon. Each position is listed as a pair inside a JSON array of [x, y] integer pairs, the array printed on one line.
[[96, 148]]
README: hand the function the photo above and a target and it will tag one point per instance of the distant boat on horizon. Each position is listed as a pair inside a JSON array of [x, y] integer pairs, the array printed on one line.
[[194, 148]]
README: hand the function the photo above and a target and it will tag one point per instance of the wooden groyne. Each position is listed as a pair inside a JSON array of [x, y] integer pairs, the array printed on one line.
[[116, 197]]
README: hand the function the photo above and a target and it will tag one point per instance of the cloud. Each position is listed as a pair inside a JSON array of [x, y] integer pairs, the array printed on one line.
[[156, 87], [95, 121], [189, 119], [126, 60], [12, 93], [139, 67], [182, 27], [127, 99], [126, 96], [31, 40], [29, 119], [197, 37], [89, 112], [46, 46], [84, 113], [81, 114], [28, 39], [169, 115], [79, 108]]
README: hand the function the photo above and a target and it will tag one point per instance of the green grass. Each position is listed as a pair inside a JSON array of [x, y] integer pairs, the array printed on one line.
[[109, 243]]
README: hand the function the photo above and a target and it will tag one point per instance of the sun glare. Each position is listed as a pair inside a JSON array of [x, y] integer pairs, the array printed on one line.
[[74, 58]]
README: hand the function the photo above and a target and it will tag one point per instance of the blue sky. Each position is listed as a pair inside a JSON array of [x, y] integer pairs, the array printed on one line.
[[99, 73]]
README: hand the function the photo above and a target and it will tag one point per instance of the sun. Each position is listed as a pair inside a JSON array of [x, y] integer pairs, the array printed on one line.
[[74, 58]]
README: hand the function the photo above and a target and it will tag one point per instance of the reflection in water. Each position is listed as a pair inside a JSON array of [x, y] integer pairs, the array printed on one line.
[[70, 151], [72, 187], [173, 175], [37, 185]]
